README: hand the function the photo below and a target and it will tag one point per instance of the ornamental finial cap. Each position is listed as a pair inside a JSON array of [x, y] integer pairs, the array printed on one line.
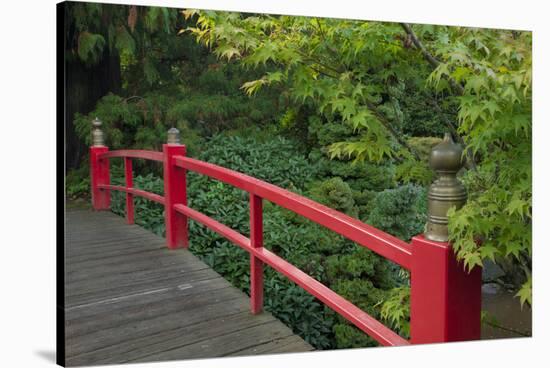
[[446, 157], [96, 123], [173, 136], [97, 133], [445, 192]]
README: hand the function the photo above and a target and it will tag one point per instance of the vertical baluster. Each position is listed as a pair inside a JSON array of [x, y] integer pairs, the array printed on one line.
[[175, 192], [445, 298], [129, 184], [256, 265], [99, 169]]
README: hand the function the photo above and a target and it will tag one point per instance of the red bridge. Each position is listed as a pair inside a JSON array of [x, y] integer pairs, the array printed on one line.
[[445, 300]]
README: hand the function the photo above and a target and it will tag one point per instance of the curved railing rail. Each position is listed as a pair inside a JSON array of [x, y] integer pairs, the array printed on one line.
[[143, 154], [141, 193], [380, 242], [127, 155], [445, 301]]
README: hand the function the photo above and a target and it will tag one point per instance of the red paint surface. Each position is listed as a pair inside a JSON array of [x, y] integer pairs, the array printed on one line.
[[256, 265], [175, 192], [378, 241], [345, 308], [445, 300], [142, 154], [128, 175], [141, 193], [230, 234], [99, 175]]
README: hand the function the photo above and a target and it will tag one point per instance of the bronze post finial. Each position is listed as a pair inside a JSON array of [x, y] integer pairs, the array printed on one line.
[[97, 133], [173, 136], [446, 191]]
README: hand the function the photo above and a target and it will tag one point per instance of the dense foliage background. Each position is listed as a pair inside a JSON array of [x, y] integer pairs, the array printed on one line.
[[344, 112]]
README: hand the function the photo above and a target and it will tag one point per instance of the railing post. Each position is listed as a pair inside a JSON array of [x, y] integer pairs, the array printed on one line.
[[256, 265], [175, 192], [99, 169], [445, 298], [128, 175]]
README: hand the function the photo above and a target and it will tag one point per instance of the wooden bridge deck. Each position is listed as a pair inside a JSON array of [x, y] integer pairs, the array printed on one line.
[[130, 299]]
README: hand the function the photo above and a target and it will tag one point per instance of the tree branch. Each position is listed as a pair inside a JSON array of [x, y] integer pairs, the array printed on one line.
[[383, 120], [392, 131], [132, 98], [470, 163], [310, 59], [429, 57], [320, 71], [323, 36]]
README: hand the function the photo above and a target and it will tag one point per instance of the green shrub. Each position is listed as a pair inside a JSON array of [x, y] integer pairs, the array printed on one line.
[[400, 211], [278, 161], [358, 175], [396, 310], [365, 279], [348, 336], [77, 182], [148, 214], [335, 194], [423, 146], [298, 309], [326, 133]]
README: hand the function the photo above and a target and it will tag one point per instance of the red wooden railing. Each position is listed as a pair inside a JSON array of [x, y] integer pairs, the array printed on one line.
[[445, 300]]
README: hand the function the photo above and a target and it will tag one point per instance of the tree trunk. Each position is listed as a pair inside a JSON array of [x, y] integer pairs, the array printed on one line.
[[84, 85]]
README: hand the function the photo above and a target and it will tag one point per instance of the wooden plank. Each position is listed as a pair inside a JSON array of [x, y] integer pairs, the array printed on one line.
[[124, 269], [107, 220], [287, 344], [73, 231], [111, 242], [99, 235], [129, 298], [73, 256], [224, 344], [169, 339], [174, 302], [104, 291], [115, 280], [212, 285], [87, 223], [97, 268], [113, 245], [193, 311], [123, 278], [86, 218], [124, 257]]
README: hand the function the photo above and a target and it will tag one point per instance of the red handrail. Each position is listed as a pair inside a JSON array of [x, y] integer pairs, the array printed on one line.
[[339, 304], [378, 241], [142, 193], [143, 154], [445, 300]]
